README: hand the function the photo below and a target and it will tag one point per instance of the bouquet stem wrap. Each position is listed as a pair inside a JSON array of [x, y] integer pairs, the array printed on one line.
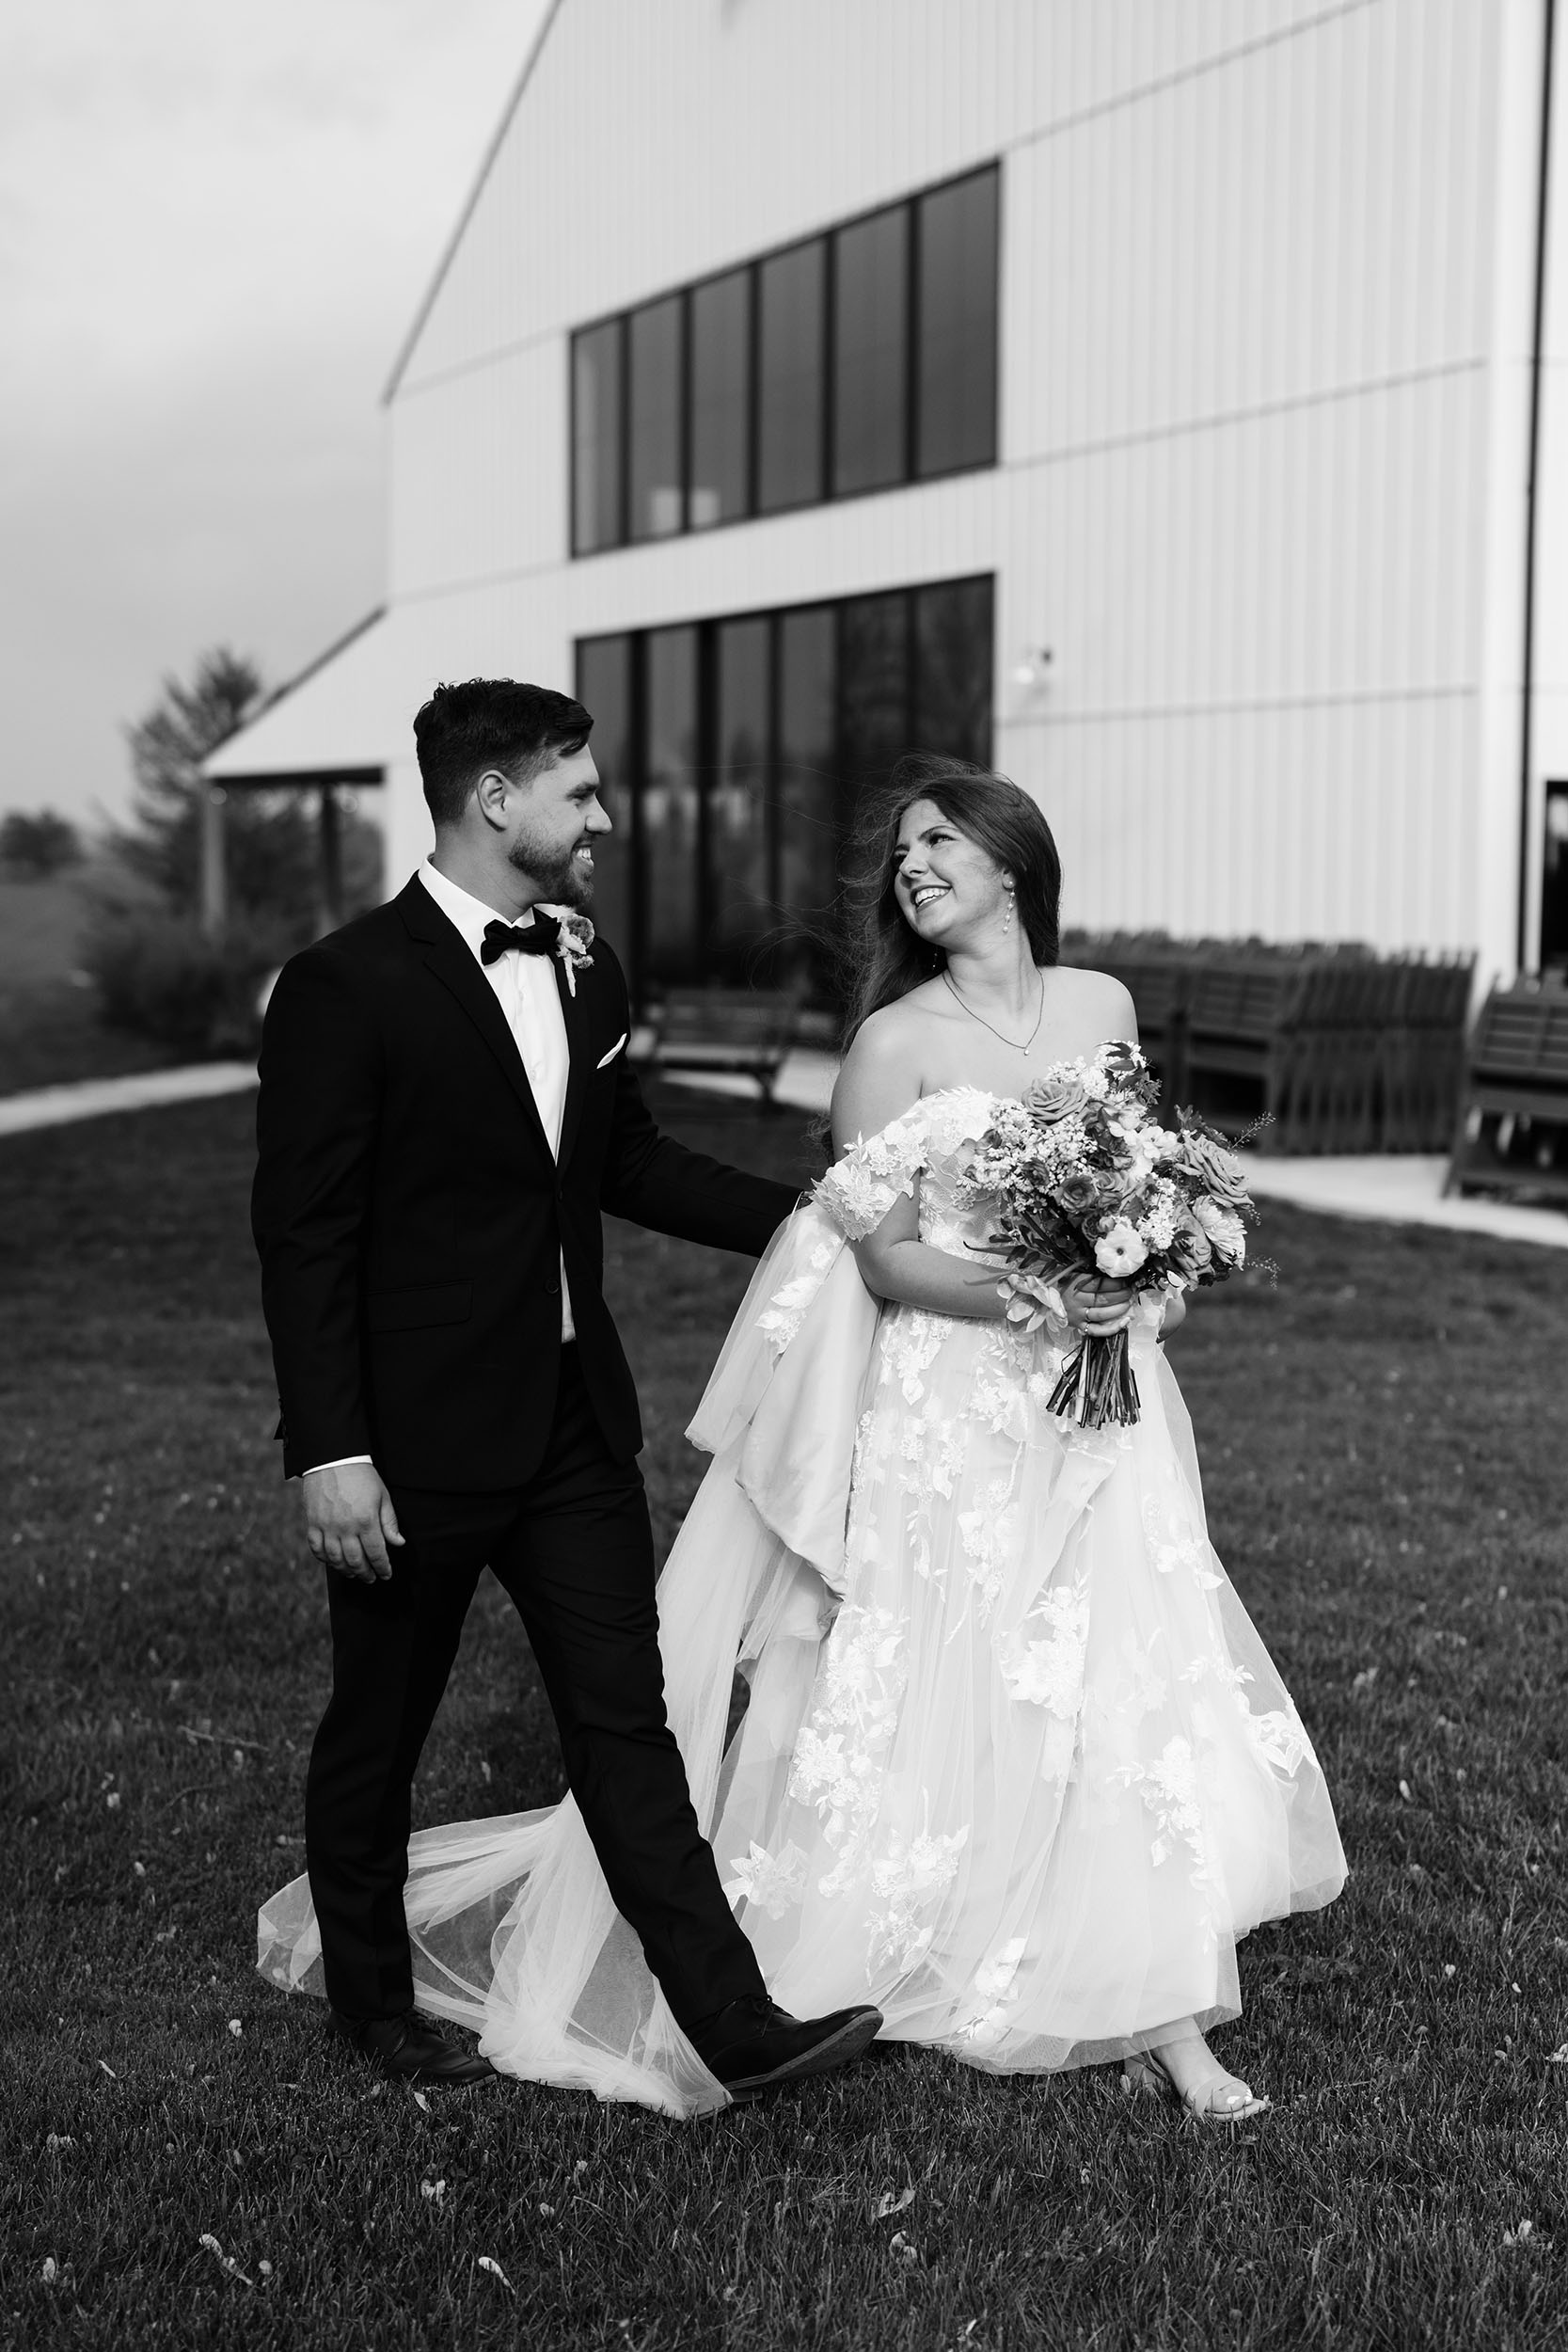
[[1098, 1388]]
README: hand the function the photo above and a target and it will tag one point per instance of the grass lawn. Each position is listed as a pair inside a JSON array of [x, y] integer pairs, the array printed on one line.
[[41, 921], [1385, 1441]]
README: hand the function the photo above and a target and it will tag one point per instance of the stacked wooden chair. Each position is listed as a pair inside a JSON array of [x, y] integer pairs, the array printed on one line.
[[1512, 1132], [1243, 1025], [1342, 1051], [1422, 1055]]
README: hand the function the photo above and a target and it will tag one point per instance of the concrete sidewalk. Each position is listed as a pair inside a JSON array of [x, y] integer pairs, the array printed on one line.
[[95, 1098], [1402, 1188], [1399, 1190]]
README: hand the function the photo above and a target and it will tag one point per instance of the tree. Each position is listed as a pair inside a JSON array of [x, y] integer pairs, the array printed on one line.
[[272, 849], [38, 845]]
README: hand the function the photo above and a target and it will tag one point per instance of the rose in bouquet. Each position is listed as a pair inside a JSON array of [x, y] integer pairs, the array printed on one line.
[[1082, 1181]]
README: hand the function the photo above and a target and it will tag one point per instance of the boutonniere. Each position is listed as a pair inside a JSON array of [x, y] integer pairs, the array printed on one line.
[[574, 937]]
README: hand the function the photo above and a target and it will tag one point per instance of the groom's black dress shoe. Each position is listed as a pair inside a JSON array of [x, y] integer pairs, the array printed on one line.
[[407, 2049], [753, 2046]]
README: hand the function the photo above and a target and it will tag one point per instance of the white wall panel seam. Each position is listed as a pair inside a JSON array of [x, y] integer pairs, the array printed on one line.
[[1217, 61], [1219, 420], [1140, 714], [1023, 465]]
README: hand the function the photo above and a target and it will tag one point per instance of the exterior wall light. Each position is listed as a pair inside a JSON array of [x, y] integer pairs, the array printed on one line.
[[1034, 669]]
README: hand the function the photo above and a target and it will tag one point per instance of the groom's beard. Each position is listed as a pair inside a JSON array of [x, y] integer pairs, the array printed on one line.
[[561, 881]]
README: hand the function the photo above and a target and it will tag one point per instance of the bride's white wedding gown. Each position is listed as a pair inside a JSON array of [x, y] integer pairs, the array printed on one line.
[[1015, 1764]]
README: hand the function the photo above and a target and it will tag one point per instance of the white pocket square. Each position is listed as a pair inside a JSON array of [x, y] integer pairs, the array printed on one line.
[[605, 1060]]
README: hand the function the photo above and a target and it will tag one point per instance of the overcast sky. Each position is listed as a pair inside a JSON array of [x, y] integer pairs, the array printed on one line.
[[216, 225]]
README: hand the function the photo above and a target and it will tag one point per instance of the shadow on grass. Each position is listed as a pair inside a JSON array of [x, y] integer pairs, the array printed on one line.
[[1383, 1440]]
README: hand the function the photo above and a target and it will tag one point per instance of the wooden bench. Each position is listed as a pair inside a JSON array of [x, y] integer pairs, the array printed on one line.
[[1512, 1132], [742, 1032]]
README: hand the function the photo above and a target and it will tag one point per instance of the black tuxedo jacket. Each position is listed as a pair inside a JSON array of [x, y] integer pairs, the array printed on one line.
[[411, 1218]]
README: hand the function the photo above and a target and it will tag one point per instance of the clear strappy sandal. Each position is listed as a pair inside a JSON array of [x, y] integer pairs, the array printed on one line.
[[1146, 2072]]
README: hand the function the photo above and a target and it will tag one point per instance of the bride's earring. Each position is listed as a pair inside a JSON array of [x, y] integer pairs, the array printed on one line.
[[1008, 918]]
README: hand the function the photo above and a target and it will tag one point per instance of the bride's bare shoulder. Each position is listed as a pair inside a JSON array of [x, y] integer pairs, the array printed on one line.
[[882, 1071], [1097, 998]]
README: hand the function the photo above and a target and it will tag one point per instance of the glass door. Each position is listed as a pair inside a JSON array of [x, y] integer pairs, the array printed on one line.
[[668, 812]]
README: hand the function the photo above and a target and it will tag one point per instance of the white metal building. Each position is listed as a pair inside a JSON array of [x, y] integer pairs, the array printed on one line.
[[1163, 397]]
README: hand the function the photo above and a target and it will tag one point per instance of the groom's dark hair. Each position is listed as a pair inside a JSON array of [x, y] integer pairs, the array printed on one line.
[[490, 723]]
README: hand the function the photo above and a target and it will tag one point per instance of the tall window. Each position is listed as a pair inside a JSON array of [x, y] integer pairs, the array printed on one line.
[[671, 811], [656, 463], [789, 393], [721, 400], [598, 370], [850, 362], [740, 895], [871, 323], [805, 783], [736, 751], [955, 388], [950, 669], [604, 682]]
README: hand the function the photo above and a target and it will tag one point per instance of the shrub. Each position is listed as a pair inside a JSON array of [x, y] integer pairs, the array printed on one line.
[[158, 977], [34, 846]]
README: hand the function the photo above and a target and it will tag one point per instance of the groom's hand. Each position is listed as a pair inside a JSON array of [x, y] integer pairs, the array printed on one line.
[[349, 1520]]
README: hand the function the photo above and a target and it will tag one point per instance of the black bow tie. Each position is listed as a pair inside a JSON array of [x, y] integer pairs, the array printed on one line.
[[537, 938]]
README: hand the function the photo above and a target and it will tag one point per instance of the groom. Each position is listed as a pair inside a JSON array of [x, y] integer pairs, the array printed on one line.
[[446, 1107]]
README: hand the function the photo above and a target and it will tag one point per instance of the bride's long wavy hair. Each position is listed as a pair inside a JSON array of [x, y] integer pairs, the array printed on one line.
[[881, 957]]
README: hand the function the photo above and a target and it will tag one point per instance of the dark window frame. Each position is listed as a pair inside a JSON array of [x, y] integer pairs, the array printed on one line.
[[908, 478]]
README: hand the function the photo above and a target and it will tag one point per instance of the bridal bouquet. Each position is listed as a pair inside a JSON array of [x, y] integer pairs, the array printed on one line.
[[1083, 1179]]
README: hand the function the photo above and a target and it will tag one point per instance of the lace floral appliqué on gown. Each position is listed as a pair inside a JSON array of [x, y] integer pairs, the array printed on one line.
[[1015, 1764], [1046, 1775]]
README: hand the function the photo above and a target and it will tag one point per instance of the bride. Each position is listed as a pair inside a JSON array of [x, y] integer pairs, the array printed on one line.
[[1014, 1764]]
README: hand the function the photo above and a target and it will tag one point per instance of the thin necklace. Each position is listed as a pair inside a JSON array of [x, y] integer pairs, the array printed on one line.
[[1011, 1042]]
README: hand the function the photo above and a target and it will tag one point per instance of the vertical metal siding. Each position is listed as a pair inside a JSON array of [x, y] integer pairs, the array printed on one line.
[[1246, 403]]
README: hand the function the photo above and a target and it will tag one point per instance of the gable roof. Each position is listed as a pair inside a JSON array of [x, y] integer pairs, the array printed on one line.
[[341, 715], [427, 304]]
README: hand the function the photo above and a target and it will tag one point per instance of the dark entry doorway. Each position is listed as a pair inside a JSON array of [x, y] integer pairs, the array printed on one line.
[[1554, 882]]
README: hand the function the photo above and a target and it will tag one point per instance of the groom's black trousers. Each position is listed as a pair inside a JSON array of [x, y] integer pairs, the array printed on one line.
[[574, 1551]]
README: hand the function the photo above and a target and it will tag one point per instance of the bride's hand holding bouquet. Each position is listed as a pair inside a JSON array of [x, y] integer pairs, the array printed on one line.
[[1095, 1204]]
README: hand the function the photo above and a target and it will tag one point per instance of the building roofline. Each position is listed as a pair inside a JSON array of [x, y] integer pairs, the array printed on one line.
[[449, 253], [301, 779], [289, 686]]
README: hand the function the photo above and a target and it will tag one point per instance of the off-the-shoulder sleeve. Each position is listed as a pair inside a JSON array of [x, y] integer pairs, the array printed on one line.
[[858, 1191]]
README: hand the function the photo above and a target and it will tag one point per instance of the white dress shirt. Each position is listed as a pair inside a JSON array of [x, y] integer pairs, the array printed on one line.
[[524, 989]]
